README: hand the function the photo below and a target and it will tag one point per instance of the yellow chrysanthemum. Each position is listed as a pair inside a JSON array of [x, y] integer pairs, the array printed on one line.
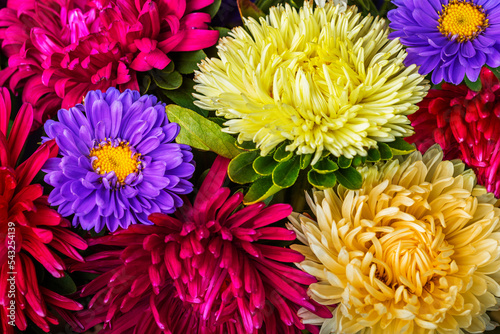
[[415, 250], [323, 78]]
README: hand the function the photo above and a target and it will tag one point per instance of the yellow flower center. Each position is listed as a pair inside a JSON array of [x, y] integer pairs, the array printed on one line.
[[462, 19], [412, 255], [119, 159]]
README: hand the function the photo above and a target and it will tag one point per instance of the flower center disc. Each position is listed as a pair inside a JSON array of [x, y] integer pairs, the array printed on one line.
[[415, 255], [462, 19], [119, 159]]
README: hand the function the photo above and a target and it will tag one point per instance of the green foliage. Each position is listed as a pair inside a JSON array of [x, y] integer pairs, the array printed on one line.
[[264, 165], [260, 190], [400, 147], [385, 151], [184, 96], [187, 62], [240, 169], [281, 154], [201, 133], [167, 78], [248, 9], [246, 146], [325, 166], [350, 178], [473, 85], [63, 285], [321, 180], [373, 155], [344, 162], [286, 173]]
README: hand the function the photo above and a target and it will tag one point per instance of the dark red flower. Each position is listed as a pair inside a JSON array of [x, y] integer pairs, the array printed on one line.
[[207, 271], [465, 124], [29, 230], [59, 50]]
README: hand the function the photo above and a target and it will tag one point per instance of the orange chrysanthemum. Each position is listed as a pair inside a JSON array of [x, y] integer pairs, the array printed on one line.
[[415, 250]]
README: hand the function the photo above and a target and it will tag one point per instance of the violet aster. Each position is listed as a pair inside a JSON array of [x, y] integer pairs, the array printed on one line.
[[451, 38], [118, 161]]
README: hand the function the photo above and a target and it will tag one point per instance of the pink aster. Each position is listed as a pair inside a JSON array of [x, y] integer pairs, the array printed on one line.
[[59, 50], [465, 124], [39, 234], [209, 270]]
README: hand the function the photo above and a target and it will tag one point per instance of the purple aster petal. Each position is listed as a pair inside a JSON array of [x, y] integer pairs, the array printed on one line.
[[101, 198]]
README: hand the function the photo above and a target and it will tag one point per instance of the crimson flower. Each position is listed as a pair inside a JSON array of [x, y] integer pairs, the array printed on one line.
[[209, 270], [30, 231], [59, 50], [465, 124]]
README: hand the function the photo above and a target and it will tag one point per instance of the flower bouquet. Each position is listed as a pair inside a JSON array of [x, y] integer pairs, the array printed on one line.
[[249, 167]]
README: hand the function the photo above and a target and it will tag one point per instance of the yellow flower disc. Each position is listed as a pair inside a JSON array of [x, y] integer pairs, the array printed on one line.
[[462, 19], [415, 250], [119, 159], [322, 78]]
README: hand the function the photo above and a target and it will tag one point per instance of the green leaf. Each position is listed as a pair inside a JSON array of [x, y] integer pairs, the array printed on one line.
[[325, 166], [321, 181], [400, 147], [473, 85], [305, 160], [218, 120], [184, 96], [63, 285], [187, 62], [344, 162], [213, 8], [166, 79], [385, 151], [223, 32], [146, 82], [350, 178], [246, 145], [260, 190], [281, 154], [264, 165], [248, 9], [356, 161], [286, 173], [201, 133], [240, 169], [373, 155]]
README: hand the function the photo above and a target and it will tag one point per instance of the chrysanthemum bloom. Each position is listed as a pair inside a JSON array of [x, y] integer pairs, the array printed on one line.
[[60, 50], [205, 271], [451, 38], [30, 231], [118, 162], [466, 125], [324, 78], [415, 250]]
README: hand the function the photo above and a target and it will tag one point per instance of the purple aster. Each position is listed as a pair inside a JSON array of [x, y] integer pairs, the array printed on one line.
[[452, 38], [118, 161]]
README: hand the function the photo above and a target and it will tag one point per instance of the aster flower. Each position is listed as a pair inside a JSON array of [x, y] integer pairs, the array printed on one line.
[[60, 50], [209, 270], [415, 250], [286, 79], [118, 161], [451, 38], [465, 124], [37, 233]]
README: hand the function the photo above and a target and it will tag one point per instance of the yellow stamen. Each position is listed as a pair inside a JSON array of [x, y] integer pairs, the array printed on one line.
[[462, 19], [118, 159]]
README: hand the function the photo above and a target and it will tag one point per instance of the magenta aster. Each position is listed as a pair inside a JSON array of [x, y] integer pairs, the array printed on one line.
[[465, 124], [59, 50], [209, 270], [26, 221]]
